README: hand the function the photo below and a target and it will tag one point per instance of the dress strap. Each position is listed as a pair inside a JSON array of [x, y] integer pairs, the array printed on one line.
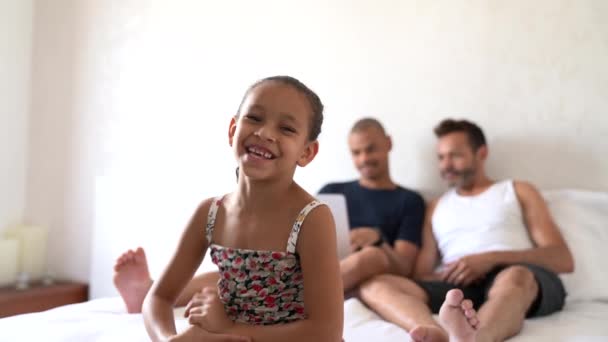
[[295, 230], [215, 204]]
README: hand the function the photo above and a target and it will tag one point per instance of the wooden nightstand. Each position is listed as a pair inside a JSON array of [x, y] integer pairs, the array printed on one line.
[[40, 297]]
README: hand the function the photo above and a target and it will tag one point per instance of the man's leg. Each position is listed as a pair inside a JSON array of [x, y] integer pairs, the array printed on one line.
[[401, 301], [362, 265], [509, 298], [132, 280]]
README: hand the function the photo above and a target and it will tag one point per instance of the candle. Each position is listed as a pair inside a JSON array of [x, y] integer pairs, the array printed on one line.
[[9, 252], [32, 249]]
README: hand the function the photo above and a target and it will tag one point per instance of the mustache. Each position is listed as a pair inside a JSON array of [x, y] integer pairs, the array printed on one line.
[[452, 171], [369, 163]]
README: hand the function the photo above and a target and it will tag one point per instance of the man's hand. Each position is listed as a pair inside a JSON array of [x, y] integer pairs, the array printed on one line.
[[196, 334], [468, 269], [207, 311], [363, 236]]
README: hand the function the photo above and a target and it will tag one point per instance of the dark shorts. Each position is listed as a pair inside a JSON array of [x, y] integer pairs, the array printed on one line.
[[550, 298]]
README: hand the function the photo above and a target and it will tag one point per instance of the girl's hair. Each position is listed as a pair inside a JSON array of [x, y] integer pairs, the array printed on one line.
[[313, 99]]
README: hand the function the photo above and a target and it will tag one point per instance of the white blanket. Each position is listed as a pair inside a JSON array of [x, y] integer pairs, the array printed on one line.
[[106, 320], [581, 215]]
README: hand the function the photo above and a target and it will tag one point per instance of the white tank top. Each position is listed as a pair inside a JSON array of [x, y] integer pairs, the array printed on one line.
[[490, 221]]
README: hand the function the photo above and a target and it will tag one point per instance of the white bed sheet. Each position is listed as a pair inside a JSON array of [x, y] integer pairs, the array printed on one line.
[[582, 321], [105, 320], [580, 214]]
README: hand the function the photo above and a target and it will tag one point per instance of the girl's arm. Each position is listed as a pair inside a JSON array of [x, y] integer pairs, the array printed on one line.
[[158, 305], [323, 293]]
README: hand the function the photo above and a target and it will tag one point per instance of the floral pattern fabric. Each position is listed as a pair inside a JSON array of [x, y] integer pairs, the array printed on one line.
[[260, 287]]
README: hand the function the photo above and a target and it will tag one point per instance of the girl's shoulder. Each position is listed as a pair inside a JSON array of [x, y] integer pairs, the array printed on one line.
[[204, 208], [301, 196], [205, 204], [312, 209]]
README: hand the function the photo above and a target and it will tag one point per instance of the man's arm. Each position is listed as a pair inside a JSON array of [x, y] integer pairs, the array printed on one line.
[[403, 254], [402, 257], [551, 250], [429, 253]]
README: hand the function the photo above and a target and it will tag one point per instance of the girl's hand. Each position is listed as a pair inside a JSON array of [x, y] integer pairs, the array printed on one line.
[[195, 334], [207, 311]]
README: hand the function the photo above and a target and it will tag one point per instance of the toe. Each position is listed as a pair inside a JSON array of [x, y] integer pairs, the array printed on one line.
[[454, 297], [466, 304], [139, 255], [474, 322], [130, 256], [119, 263], [470, 313]]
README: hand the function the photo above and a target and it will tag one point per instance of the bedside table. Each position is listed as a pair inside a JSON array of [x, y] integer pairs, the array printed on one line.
[[40, 297]]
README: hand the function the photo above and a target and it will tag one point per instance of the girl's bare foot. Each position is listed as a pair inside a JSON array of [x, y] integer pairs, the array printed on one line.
[[132, 278]]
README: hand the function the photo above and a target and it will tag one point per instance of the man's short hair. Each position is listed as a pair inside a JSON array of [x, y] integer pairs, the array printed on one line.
[[367, 123], [473, 132]]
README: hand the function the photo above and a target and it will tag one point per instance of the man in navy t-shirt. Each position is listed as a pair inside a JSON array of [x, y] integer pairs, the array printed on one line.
[[386, 220]]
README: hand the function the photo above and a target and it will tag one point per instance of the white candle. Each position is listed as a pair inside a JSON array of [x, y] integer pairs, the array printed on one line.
[[9, 252], [32, 249]]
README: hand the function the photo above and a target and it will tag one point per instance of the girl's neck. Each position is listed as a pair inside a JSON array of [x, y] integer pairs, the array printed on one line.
[[259, 195]]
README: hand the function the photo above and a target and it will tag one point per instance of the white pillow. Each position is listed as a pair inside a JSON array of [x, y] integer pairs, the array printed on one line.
[[582, 217]]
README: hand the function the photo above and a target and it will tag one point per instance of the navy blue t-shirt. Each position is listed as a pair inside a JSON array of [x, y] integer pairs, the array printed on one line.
[[398, 213]]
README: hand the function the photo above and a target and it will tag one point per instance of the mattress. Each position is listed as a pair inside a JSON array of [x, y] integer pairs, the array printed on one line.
[[106, 320], [581, 216]]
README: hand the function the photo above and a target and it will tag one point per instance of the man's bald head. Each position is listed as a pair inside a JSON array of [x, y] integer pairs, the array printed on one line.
[[369, 146], [367, 123]]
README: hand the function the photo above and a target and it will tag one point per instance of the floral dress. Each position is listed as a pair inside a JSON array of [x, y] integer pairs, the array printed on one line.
[[260, 287]]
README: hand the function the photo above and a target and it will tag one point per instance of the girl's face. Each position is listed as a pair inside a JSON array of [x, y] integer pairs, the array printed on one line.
[[270, 135]]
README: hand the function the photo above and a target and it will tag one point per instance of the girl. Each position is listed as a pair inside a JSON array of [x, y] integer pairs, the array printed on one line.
[[273, 243]]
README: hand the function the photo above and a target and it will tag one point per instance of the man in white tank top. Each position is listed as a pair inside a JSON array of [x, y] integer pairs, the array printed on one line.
[[493, 243]]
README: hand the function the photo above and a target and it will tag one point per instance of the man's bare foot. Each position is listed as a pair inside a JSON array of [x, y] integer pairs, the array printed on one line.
[[132, 278], [428, 333], [458, 317]]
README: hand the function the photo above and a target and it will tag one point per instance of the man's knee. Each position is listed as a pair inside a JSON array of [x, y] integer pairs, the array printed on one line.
[[515, 278], [385, 285], [374, 286], [373, 259]]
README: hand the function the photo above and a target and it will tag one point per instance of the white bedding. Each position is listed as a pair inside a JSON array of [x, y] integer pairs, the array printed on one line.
[[105, 320], [581, 215]]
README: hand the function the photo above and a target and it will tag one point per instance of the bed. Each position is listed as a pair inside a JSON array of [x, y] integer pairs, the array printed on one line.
[[582, 216]]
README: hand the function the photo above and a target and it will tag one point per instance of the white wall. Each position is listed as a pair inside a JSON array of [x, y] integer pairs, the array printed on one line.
[[15, 62], [132, 101]]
